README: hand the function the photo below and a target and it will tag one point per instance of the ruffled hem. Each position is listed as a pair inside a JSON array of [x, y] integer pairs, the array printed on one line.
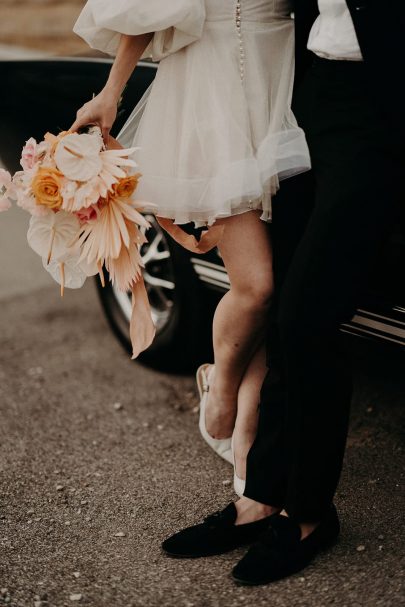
[[239, 187], [200, 221]]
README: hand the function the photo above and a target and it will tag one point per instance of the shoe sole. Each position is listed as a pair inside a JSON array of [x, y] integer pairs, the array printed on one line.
[[326, 546], [200, 556], [265, 582]]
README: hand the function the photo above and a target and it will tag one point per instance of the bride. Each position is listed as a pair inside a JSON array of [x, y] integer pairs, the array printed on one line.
[[216, 134]]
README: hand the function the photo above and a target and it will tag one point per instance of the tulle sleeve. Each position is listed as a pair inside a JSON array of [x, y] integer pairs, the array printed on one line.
[[175, 23]]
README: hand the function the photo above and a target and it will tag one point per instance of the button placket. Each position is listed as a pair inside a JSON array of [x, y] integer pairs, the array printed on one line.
[[238, 20]]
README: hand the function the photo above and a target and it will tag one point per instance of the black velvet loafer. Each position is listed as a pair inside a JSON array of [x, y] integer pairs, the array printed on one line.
[[280, 552], [216, 535]]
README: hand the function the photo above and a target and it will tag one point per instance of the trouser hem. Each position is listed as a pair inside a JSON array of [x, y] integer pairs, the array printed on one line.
[[264, 498], [299, 515]]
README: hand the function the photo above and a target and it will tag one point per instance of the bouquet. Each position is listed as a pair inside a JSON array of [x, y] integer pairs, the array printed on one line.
[[84, 215], [6, 186]]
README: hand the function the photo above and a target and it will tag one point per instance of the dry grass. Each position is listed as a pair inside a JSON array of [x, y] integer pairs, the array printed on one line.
[[41, 24]]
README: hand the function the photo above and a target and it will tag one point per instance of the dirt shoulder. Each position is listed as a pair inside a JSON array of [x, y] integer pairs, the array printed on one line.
[[41, 24]]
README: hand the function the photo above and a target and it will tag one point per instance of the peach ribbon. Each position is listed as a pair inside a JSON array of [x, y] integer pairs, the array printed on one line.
[[142, 329], [209, 238]]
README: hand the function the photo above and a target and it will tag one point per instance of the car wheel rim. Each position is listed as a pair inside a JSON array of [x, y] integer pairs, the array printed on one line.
[[158, 275]]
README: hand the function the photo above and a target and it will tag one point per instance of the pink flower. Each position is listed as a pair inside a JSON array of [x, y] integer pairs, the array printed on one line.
[[85, 215], [28, 154], [5, 204], [22, 193], [5, 179], [5, 190]]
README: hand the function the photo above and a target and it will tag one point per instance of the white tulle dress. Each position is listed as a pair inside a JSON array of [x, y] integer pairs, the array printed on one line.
[[215, 130]]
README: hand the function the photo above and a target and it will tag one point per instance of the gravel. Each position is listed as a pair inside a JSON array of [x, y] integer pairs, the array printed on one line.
[[89, 490]]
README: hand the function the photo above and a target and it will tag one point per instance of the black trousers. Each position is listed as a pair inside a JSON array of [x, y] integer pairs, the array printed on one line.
[[327, 228]]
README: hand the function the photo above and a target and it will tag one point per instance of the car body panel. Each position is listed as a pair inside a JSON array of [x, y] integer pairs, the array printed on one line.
[[43, 95]]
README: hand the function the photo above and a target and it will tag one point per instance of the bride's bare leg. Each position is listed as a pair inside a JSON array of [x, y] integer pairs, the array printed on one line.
[[241, 316], [248, 413]]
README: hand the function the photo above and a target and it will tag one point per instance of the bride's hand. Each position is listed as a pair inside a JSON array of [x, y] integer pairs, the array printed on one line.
[[101, 111]]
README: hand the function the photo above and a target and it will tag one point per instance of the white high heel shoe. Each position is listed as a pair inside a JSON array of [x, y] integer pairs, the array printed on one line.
[[222, 446], [238, 483]]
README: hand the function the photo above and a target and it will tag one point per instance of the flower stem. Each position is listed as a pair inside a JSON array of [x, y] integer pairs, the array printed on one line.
[[62, 279], [53, 232]]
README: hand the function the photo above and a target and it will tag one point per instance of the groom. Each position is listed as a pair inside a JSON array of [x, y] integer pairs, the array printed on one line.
[[328, 226]]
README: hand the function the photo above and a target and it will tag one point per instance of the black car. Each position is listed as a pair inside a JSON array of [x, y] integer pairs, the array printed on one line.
[[183, 288]]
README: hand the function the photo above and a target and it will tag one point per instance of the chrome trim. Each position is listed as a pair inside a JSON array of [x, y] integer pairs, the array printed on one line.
[[392, 320], [208, 274], [214, 282], [376, 326], [363, 333], [47, 59], [197, 261], [362, 324]]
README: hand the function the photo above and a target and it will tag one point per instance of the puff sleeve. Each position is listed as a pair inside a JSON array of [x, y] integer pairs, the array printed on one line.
[[175, 23]]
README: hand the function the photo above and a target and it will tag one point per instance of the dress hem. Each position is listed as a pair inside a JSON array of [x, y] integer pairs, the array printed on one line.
[[200, 222]]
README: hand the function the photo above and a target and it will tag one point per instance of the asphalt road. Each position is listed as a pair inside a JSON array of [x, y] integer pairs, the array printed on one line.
[[100, 459]]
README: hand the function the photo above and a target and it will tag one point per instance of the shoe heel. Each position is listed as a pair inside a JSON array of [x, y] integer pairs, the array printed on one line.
[[239, 484], [221, 446], [201, 378]]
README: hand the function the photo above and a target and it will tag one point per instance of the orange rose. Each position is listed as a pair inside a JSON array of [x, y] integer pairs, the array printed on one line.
[[46, 187], [126, 186]]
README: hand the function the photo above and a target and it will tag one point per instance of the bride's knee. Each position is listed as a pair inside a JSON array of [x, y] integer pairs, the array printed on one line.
[[256, 294]]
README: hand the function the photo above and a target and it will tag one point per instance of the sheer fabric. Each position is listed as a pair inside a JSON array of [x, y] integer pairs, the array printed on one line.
[[176, 24], [216, 130]]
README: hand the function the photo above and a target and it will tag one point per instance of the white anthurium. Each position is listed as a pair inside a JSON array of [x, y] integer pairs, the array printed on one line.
[[67, 273], [51, 234], [72, 256], [90, 269], [68, 270], [78, 156]]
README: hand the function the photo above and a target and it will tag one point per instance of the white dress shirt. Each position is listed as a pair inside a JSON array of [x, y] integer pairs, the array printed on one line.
[[333, 35]]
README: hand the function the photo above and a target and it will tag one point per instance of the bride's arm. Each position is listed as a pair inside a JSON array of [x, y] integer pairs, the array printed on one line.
[[102, 110]]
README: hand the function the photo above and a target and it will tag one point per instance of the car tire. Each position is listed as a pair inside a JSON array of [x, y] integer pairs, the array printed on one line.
[[181, 308]]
